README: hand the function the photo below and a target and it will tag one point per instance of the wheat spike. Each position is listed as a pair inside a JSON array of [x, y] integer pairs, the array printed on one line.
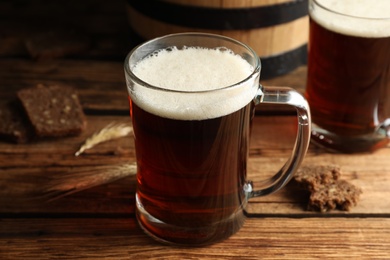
[[72, 182], [110, 132]]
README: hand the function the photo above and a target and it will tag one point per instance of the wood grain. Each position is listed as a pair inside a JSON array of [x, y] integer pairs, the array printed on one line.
[[260, 238], [31, 166], [99, 223]]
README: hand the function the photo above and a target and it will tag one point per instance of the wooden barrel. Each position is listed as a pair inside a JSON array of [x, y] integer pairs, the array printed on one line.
[[276, 29]]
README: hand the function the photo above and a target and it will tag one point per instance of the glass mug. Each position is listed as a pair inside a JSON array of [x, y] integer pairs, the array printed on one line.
[[191, 134], [348, 80]]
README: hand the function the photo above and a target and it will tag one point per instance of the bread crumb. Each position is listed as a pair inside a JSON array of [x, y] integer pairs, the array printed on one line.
[[313, 178], [327, 190], [339, 195]]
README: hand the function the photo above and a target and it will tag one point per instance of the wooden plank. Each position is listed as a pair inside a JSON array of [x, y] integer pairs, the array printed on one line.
[[60, 151], [99, 222], [30, 167], [265, 238], [270, 150]]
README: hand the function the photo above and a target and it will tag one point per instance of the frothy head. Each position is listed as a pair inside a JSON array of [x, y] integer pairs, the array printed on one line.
[[194, 83], [363, 18], [192, 68]]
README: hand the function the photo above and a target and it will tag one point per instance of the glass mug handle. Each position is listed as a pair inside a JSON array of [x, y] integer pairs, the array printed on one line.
[[288, 96]]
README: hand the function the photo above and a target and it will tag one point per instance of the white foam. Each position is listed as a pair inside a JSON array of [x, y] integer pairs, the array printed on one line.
[[376, 14], [195, 72]]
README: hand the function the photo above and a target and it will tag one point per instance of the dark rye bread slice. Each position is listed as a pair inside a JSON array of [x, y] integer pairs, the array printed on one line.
[[327, 190], [339, 195], [312, 177], [53, 111], [14, 126]]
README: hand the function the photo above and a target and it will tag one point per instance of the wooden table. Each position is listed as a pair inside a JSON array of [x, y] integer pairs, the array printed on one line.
[[99, 223]]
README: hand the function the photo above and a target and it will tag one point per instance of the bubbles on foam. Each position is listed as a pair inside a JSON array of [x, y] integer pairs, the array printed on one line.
[[192, 69], [365, 18], [196, 72]]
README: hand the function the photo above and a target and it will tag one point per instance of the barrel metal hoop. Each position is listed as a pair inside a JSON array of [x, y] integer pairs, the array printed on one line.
[[221, 18], [283, 63]]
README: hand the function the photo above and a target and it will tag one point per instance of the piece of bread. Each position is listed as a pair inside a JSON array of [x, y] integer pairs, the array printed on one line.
[[327, 190], [312, 178], [14, 126], [53, 111], [340, 195]]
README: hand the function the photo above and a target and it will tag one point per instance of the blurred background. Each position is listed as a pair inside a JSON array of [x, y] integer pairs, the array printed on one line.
[[96, 29]]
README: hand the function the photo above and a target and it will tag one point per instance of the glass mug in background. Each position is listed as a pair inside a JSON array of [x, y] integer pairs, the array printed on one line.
[[192, 98], [348, 83]]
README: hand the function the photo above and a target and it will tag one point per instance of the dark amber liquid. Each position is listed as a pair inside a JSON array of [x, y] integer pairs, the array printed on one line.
[[191, 173], [348, 85]]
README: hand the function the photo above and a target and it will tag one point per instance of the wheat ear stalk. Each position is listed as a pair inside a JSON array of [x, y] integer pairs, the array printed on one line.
[[72, 182]]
